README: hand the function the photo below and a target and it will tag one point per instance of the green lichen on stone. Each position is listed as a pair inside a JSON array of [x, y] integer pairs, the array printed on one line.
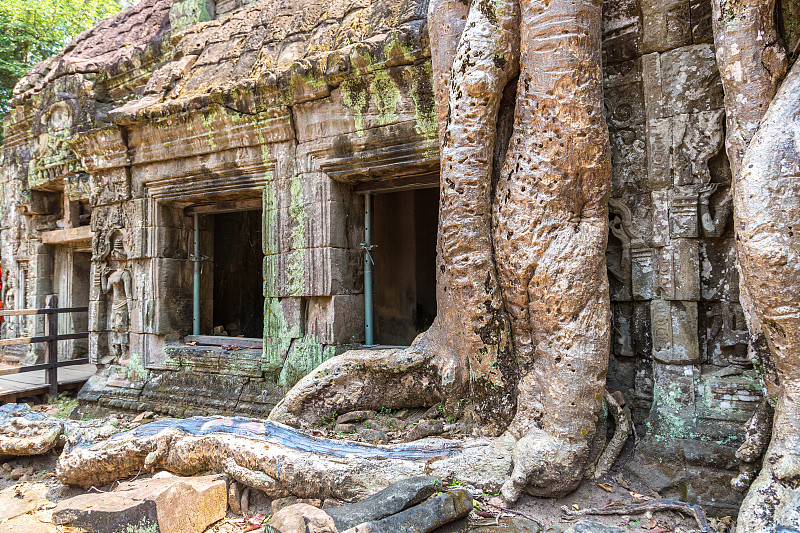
[[313, 81], [393, 47], [295, 262], [278, 335], [185, 13], [305, 354], [386, 95], [673, 422], [135, 370], [142, 526], [381, 91], [424, 102], [789, 22], [355, 94], [270, 213]]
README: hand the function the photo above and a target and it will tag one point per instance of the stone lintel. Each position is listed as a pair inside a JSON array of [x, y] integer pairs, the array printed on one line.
[[68, 235]]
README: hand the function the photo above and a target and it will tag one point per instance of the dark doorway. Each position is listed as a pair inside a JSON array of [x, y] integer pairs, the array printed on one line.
[[238, 278], [405, 225]]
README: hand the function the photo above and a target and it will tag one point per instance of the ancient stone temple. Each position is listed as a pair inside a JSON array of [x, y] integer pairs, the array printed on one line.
[[217, 180]]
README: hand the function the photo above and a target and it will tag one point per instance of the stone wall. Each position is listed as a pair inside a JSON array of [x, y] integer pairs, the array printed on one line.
[[298, 104], [680, 341]]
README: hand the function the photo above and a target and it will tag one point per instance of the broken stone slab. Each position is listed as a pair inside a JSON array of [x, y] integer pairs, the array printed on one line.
[[590, 526], [27, 432], [165, 505], [427, 516], [389, 501]]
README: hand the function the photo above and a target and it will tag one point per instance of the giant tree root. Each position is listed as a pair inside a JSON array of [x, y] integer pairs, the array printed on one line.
[[24, 431], [623, 430], [652, 506], [279, 460]]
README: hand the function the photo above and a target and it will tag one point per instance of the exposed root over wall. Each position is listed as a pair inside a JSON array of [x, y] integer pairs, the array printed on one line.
[[522, 335]]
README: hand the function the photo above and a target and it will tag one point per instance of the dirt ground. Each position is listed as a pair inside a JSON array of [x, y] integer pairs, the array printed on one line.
[[29, 491]]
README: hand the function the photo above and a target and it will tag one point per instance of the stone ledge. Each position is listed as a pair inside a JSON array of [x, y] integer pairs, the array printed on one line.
[[69, 235]]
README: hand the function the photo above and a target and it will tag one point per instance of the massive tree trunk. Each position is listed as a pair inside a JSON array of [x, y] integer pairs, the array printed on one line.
[[551, 212], [521, 286], [471, 336], [752, 63], [762, 141], [767, 211]]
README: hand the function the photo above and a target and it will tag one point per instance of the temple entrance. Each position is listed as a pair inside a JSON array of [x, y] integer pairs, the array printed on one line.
[[405, 225], [238, 287]]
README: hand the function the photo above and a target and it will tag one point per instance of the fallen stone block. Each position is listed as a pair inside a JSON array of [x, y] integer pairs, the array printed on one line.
[[426, 428], [302, 518], [389, 501], [160, 505], [589, 526], [427, 516]]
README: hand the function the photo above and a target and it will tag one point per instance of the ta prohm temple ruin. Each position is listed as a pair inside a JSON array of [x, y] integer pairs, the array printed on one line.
[[504, 209]]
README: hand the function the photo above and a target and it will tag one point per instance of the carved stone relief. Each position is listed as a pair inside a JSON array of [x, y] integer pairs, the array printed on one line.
[[112, 313]]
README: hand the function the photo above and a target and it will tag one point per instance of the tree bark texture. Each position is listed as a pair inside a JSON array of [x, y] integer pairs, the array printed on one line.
[[523, 325], [762, 143], [471, 335], [766, 211], [551, 215], [752, 63]]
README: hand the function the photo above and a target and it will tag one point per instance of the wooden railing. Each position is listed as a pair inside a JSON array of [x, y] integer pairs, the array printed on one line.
[[50, 340]]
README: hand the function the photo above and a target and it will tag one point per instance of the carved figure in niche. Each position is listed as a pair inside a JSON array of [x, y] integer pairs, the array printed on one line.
[[116, 281], [714, 224], [10, 323], [621, 225], [620, 228]]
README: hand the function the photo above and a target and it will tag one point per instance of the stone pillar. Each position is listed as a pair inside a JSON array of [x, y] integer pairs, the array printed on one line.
[[312, 268]]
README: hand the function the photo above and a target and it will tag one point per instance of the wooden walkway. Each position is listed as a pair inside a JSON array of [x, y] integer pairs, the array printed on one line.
[[13, 386]]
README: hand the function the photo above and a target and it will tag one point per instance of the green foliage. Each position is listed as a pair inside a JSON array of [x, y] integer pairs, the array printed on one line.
[[33, 30], [64, 405]]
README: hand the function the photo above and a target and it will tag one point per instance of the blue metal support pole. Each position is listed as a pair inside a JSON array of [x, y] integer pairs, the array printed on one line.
[[368, 262], [196, 288]]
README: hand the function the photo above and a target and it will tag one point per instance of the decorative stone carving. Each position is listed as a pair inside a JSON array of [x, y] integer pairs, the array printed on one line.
[[116, 284], [635, 267], [714, 214]]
